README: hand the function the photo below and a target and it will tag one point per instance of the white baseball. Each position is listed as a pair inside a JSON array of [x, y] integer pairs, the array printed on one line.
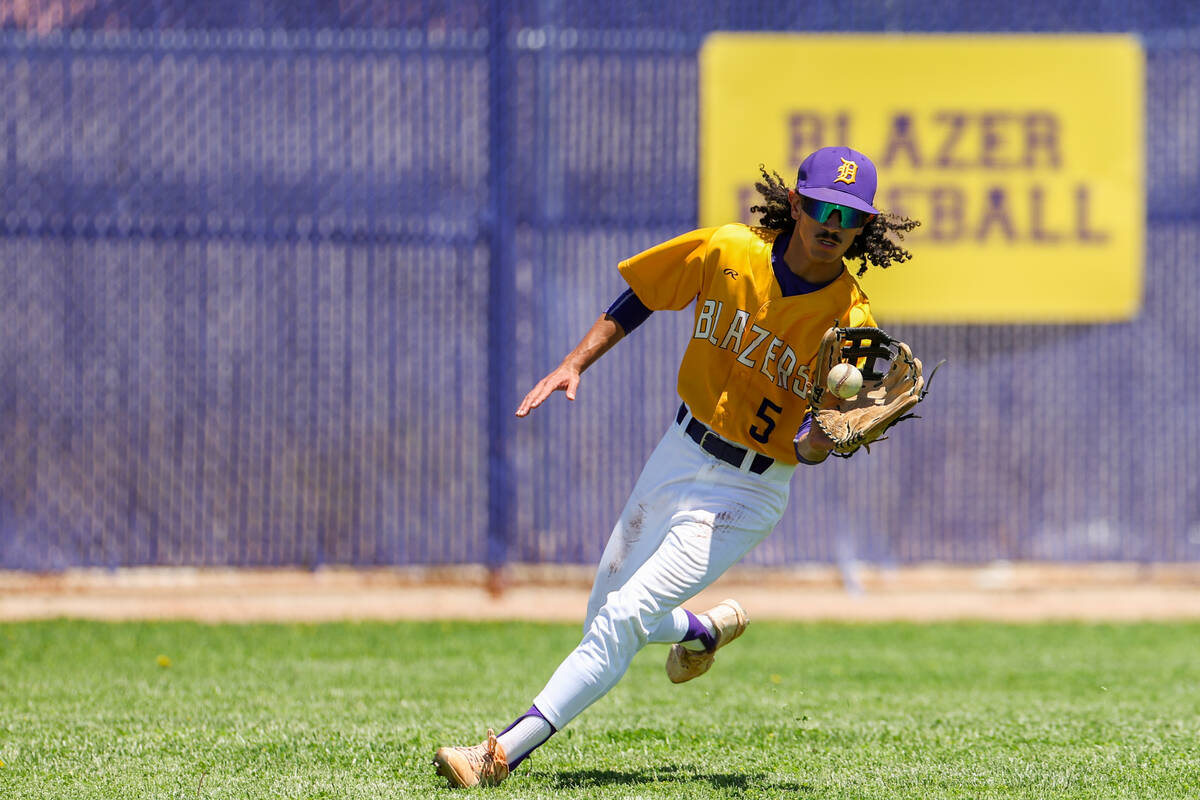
[[844, 380]]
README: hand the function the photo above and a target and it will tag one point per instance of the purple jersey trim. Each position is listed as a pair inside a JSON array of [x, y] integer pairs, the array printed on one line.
[[628, 311]]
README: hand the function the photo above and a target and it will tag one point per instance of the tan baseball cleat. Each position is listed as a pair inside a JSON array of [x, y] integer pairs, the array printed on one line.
[[482, 765], [730, 621]]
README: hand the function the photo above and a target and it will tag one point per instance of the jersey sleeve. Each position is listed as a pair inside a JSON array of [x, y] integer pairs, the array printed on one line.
[[669, 275]]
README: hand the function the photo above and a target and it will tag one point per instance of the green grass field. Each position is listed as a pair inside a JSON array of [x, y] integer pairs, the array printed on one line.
[[789, 711]]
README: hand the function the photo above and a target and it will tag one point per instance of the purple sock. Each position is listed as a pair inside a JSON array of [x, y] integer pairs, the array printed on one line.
[[696, 630], [532, 712]]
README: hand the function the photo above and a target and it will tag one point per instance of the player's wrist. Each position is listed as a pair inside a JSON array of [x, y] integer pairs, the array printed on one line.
[[810, 449], [571, 366], [807, 454]]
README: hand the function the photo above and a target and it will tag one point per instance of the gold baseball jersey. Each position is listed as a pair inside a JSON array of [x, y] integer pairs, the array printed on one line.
[[747, 370]]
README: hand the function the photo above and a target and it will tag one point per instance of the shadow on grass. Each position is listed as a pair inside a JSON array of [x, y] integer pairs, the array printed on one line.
[[585, 778]]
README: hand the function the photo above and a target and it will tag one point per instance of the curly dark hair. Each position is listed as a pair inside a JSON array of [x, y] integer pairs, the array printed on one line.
[[876, 244]]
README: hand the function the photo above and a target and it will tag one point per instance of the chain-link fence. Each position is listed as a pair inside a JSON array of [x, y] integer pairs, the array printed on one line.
[[274, 276]]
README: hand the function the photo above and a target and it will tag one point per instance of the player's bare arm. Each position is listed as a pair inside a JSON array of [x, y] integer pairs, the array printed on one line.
[[605, 333]]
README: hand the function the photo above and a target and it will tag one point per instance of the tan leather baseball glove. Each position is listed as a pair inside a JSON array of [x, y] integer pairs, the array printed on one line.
[[893, 384]]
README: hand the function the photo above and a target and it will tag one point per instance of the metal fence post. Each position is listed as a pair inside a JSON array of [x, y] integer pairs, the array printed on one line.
[[501, 298]]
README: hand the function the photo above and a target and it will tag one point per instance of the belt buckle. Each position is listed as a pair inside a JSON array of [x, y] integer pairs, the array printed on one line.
[[726, 456]]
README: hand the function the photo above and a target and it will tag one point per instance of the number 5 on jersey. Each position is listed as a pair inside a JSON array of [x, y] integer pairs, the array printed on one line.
[[762, 434]]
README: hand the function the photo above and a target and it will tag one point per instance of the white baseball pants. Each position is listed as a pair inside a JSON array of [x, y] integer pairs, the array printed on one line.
[[690, 517]]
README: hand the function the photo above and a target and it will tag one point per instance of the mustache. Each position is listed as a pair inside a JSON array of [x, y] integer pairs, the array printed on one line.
[[831, 236]]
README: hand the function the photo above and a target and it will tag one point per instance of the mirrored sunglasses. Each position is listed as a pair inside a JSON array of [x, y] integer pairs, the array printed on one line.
[[820, 210]]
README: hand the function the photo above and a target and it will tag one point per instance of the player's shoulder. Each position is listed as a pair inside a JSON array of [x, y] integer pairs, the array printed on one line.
[[848, 275], [860, 305], [743, 233], [856, 288]]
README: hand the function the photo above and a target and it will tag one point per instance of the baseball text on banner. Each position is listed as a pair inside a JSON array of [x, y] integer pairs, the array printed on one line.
[[1021, 155]]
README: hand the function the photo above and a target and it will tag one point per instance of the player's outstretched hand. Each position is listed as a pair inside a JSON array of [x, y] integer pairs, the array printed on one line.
[[562, 379], [604, 333]]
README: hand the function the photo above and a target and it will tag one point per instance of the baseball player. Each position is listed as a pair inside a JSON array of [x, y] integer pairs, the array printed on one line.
[[718, 481]]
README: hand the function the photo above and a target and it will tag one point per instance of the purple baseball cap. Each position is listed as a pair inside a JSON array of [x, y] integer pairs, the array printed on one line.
[[839, 175]]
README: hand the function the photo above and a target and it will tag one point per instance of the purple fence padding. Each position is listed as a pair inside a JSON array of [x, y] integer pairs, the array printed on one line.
[[245, 269]]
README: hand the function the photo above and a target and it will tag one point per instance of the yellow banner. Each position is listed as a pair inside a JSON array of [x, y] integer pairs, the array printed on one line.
[[1021, 156]]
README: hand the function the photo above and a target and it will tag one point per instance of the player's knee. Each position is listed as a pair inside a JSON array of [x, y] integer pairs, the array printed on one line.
[[595, 603], [589, 619], [629, 616]]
